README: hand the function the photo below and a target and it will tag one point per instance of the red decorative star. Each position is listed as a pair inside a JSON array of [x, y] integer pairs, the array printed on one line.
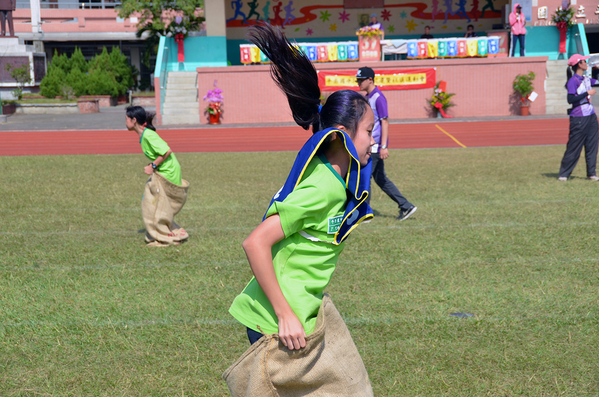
[[385, 14], [309, 32], [344, 16]]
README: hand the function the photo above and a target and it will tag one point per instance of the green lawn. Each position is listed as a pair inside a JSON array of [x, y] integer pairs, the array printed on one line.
[[87, 309]]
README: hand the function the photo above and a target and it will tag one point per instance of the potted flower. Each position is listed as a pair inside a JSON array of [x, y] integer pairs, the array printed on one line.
[[523, 85], [441, 100], [215, 102], [563, 21]]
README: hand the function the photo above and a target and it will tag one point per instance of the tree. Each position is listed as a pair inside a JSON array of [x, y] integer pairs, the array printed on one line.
[[155, 18], [22, 75]]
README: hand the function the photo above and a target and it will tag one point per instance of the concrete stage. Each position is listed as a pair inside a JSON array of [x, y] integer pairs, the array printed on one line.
[[483, 88]]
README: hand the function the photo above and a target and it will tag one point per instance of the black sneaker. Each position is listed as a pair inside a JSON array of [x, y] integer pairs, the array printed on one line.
[[405, 214]]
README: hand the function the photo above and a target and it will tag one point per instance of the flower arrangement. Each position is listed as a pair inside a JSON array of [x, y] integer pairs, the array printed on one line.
[[215, 101], [441, 99], [181, 26], [563, 16], [369, 31]]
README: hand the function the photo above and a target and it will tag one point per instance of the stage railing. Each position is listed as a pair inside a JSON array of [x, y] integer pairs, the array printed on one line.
[[161, 69], [71, 4]]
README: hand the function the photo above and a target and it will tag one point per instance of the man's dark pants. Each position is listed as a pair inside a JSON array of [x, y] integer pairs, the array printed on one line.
[[380, 177], [515, 39]]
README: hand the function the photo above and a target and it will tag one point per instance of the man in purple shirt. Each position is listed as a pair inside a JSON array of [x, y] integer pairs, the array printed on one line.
[[374, 23], [380, 134], [583, 120]]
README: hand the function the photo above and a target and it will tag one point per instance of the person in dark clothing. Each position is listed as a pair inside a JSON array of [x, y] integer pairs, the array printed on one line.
[[380, 134], [427, 33], [470, 32], [583, 120]]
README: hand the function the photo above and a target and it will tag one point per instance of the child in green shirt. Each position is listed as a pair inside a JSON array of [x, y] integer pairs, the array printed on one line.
[[294, 251], [165, 184]]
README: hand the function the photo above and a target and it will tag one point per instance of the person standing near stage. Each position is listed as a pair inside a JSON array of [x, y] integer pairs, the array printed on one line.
[[517, 22], [374, 23], [470, 32], [380, 134], [583, 120], [427, 33]]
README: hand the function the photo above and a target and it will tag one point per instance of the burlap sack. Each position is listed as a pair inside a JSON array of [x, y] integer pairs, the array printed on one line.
[[329, 365], [163, 200]]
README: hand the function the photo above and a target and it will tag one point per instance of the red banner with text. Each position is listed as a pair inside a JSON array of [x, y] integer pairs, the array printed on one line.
[[386, 79]]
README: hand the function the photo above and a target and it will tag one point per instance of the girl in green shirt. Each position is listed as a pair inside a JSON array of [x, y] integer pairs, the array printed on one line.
[[294, 251], [165, 183]]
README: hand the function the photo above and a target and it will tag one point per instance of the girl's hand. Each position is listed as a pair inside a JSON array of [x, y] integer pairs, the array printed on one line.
[[292, 332], [148, 169], [592, 91], [384, 153]]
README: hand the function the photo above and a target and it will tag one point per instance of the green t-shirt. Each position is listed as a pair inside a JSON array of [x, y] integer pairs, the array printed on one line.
[[313, 211], [154, 146]]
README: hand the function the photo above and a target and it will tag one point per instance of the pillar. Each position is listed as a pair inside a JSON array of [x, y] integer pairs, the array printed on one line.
[[214, 11], [36, 20]]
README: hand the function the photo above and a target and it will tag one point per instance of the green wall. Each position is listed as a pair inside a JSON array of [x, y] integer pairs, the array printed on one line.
[[544, 41], [199, 52]]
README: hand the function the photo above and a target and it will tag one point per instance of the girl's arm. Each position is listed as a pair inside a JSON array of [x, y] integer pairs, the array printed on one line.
[[575, 98], [257, 247], [159, 160]]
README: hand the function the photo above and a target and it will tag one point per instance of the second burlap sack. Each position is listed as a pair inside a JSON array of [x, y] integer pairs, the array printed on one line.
[[163, 200]]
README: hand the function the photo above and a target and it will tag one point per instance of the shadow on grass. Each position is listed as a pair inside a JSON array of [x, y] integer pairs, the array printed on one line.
[[555, 175], [381, 215], [551, 175]]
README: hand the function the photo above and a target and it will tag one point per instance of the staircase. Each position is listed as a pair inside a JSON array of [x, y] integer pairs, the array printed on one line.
[[556, 102], [181, 104]]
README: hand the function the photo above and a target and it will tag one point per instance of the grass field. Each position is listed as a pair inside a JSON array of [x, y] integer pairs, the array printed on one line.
[[87, 309]]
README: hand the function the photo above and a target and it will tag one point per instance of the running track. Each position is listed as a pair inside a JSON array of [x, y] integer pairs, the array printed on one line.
[[521, 132]]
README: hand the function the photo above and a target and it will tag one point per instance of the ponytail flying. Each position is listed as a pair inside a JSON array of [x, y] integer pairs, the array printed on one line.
[[295, 75]]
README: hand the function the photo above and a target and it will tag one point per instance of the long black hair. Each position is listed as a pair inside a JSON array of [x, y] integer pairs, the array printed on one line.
[[570, 71], [144, 118], [295, 75]]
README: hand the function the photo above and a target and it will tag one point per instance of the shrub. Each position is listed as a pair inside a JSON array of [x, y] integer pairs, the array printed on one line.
[[52, 82], [78, 81], [77, 61], [102, 82], [105, 74], [114, 65], [61, 61]]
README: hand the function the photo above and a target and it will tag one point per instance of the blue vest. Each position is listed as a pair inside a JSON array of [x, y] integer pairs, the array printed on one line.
[[358, 181]]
